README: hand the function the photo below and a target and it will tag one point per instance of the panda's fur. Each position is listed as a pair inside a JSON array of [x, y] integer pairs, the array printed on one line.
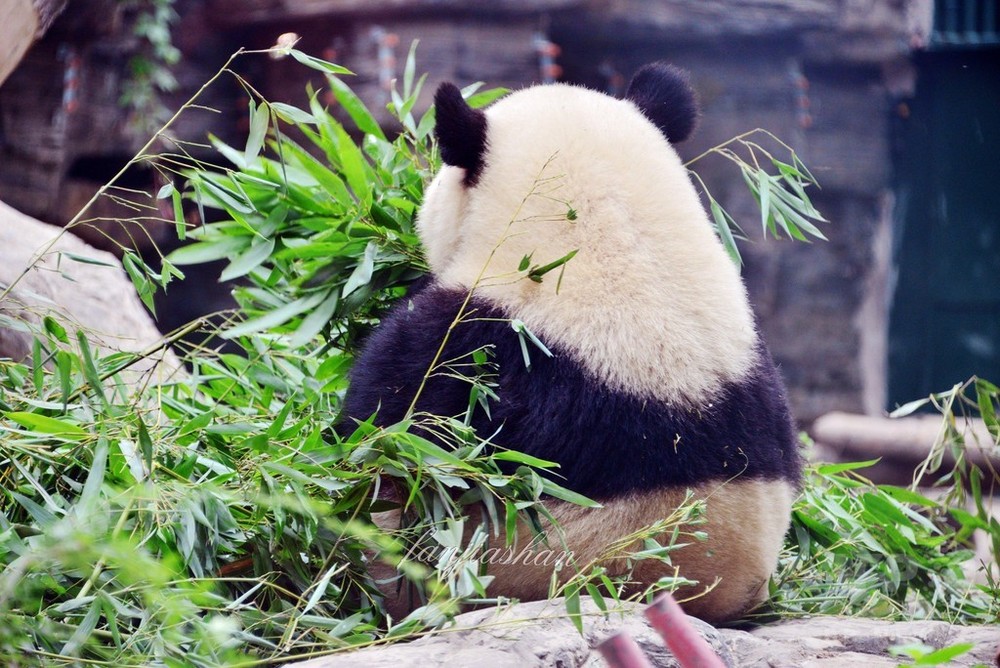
[[658, 382]]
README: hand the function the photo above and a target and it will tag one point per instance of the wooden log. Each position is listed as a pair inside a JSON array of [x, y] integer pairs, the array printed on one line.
[[908, 439]]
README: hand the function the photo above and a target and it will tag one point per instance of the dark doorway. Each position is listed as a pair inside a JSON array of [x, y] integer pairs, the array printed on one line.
[[945, 316]]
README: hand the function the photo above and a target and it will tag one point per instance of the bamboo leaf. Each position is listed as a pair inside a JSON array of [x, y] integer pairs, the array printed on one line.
[[83, 259], [362, 273], [133, 459], [536, 273], [260, 250], [552, 489], [321, 586], [355, 108], [573, 608], [180, 224], [764, 197], [95, 477], [48, 425], [522, 458], [89, 367], [313, 323], [271, 319], [84, 631], [209, 251], [318, 64], [259, 119], [293, 114]]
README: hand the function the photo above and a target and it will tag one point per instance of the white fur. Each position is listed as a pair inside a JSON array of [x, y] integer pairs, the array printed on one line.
[[745, 523], [651, 304]]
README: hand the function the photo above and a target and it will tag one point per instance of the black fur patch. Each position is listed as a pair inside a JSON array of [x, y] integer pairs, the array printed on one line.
[[607, 443], [665, 95], [460, 132]]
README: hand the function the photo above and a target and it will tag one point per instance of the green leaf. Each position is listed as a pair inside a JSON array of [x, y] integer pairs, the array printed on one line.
[[89, 367], [180, 224], [165, 191], [833, 469], [478, 100], [328, 484], [48, 425], [259, 119], [905, 495], [133, 459], [271, 319], [141, 282], [724, 225], [764, 195], [83, 259], [573, 608], [536, 273], [231, 154], [410, 68], [521, 458], [352, 161], [909, 407], [95, 476], [42, 516], [318, 64], [362, 274], [313, 323], [510, 521], [524, 333], [985, 400], [564, 494], [321, 586], [64, 367], [944, 655], [145, 445], [293, 114], [260, 250], [323, 176], [37, 365], [84, 631], [355, 108], [209, 251], [232, 200]]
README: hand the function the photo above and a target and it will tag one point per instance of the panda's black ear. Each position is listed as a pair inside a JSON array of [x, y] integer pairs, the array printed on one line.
[[664, 93], [460, 132]]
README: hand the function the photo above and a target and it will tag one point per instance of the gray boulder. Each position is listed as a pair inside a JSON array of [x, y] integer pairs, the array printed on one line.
[[47, 271]]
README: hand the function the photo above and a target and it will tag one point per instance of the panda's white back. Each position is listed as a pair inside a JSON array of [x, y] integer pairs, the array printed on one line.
[[651, 303]]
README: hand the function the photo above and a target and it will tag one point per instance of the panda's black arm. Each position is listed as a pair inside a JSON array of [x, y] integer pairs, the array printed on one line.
[[397, 357]]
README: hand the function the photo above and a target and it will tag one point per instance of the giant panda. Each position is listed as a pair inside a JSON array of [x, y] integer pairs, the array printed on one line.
[[658, 381]]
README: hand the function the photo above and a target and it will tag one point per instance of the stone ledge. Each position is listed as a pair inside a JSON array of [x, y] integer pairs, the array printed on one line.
[[539, 635]]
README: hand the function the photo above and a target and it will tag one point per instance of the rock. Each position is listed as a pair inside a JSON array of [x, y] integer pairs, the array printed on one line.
[[539, 634], [21, 23], [97, 298]]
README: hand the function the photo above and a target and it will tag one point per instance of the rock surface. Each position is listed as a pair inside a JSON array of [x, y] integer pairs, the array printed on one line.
[[539, 634], [97, 298]]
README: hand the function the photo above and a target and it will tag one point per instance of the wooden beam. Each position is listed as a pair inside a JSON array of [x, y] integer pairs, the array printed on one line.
[[241, 12], [906, 439]]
